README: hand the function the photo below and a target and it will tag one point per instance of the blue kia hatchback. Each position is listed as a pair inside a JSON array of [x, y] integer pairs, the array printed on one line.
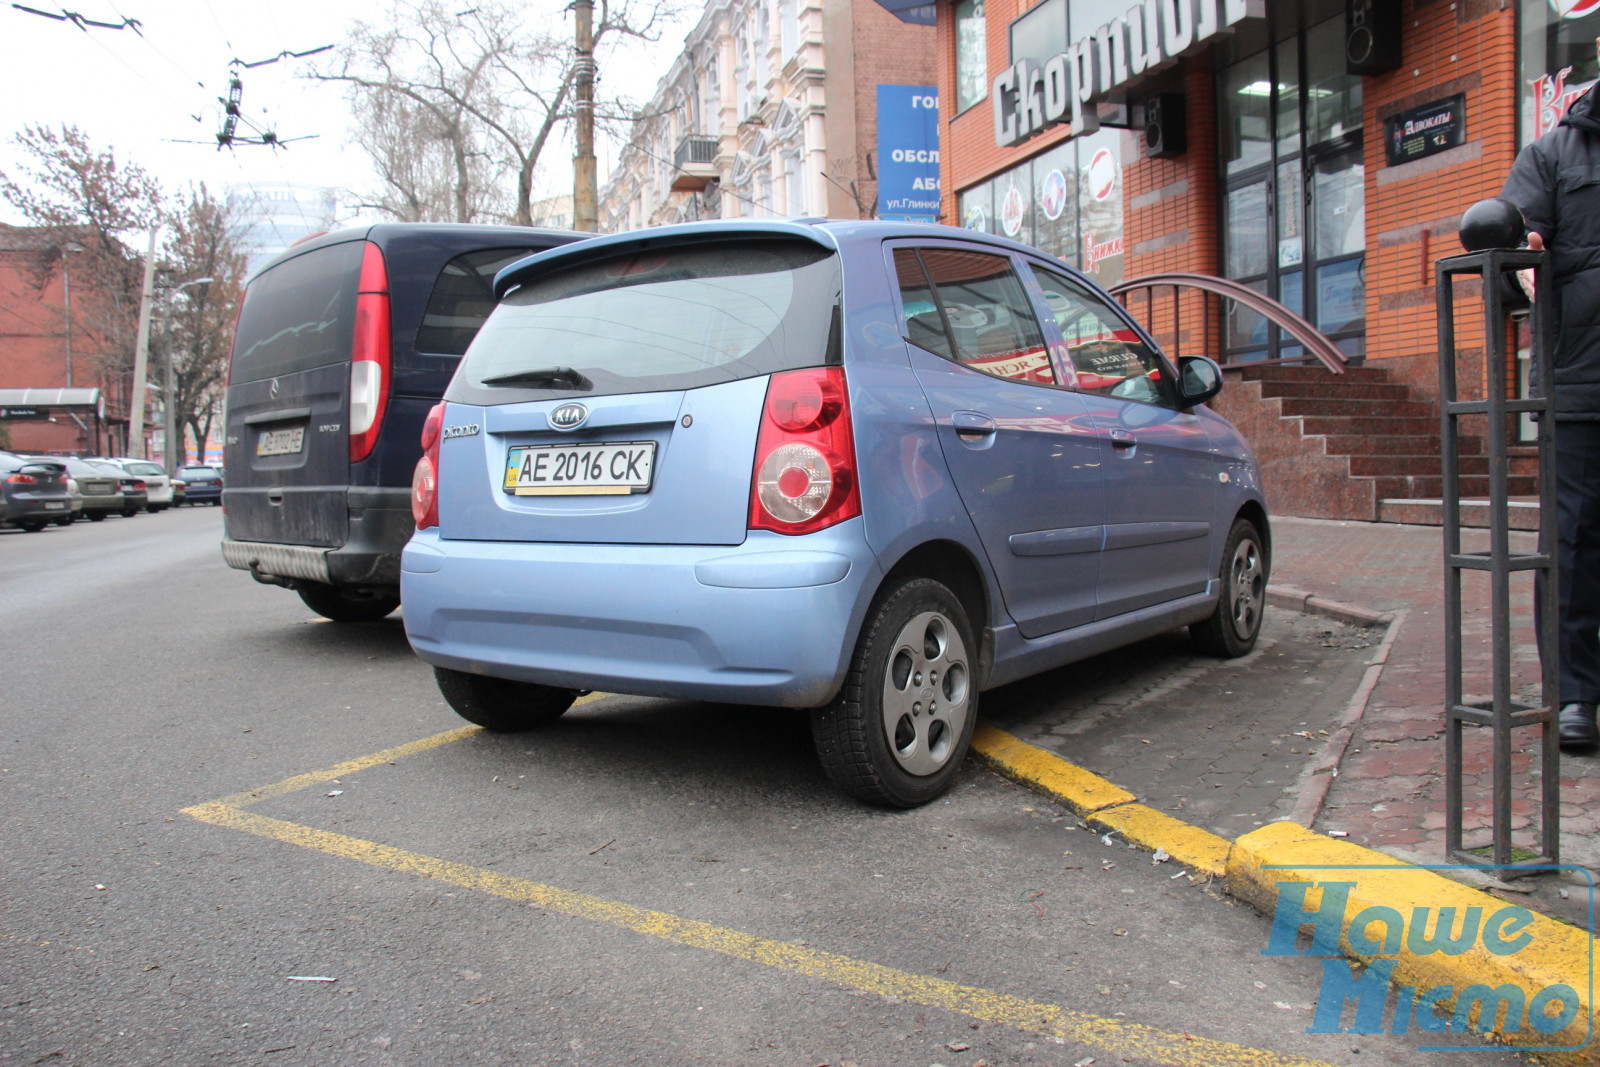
[[868, 468]]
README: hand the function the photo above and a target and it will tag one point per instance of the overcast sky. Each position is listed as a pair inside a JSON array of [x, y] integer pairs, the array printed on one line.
[[144, 93]]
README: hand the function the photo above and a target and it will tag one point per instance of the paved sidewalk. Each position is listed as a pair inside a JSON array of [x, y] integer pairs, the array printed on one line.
[[1390, 789]]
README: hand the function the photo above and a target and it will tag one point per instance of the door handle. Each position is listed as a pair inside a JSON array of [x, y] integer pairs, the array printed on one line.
[[972, 422], [1123, 439]]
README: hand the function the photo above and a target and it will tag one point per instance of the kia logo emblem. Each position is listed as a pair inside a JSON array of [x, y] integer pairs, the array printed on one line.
[[569, 416], [274, 389]]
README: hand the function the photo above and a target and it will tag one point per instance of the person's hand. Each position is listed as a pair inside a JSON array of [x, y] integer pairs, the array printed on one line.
[[1525, 277]]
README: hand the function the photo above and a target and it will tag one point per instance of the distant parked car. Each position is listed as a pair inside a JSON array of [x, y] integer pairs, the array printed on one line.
[[865, 468], [180, 491], [77, 504], [202, 484], [101, 489], [33, 491], [158, 487], [135, 496], [343, 344]]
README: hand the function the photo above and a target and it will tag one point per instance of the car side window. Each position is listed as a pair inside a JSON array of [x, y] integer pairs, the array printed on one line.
[[462, 298], [1107, 353], [923, 321], [991, 326]]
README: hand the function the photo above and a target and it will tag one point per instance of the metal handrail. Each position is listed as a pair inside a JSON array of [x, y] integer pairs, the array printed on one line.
[[1277, 314]]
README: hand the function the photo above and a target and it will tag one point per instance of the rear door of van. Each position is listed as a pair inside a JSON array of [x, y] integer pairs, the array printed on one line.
[[288, 443]]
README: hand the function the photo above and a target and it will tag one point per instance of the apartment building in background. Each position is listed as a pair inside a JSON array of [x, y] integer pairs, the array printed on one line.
[[771, 110]]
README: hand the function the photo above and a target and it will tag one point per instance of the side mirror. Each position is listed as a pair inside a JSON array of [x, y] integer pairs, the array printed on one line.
[[1199, 379]]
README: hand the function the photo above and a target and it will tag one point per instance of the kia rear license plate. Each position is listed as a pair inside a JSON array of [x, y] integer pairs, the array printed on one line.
[[612, 468], [281, 442]]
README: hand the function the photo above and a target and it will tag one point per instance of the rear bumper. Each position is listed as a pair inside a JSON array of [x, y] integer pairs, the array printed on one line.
[[32, 507], [202, 492], [771, 621], [380, 523]]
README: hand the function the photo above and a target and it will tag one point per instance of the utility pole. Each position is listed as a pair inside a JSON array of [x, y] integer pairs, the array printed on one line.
[[585, 192], [141, 355], [66, 306]]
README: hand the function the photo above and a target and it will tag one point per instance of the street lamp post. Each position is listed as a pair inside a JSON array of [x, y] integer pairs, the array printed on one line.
[[170, 390]]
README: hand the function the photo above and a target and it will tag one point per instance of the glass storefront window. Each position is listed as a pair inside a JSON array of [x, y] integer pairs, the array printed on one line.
[[1294, 213], [976, 206], [1291, 238], [1338, 195], [1558, 60], [972, 54], [1041, 33], [1013, 204], [1246, 132], [1333, 97], [1288, 97], [1055, 199], [1100, 193], [1341, 296], [1247, 231]]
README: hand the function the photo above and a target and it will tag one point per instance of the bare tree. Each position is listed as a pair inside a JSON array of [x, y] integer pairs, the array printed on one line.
[[204, 242], [83, 201], [465, 100]]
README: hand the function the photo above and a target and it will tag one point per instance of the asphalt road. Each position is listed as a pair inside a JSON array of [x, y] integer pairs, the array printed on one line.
[[645, 882]]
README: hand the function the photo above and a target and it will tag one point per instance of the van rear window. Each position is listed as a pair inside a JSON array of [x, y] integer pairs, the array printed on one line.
[[645, 322], [299, 314], [462, 298]]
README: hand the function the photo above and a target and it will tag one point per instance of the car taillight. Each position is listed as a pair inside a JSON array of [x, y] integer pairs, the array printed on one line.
[[805, 468], [425, 482], [22, 479], [369, 355], [140, 486]]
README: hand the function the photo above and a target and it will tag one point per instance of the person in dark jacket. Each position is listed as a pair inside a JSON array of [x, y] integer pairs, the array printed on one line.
[[1556, 182]]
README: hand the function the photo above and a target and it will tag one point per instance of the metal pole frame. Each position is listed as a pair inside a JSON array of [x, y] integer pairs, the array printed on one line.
[[1501, 715]]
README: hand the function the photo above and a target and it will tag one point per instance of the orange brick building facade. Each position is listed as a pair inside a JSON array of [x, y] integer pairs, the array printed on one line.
[[1274, 175]]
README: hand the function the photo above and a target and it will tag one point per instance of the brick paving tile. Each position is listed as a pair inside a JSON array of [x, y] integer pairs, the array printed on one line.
[[1395, 762]]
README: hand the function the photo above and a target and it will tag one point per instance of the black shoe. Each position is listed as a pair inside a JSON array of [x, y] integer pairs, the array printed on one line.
[[1578, 728]]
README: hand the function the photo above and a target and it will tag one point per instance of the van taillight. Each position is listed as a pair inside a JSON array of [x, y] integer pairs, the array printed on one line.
[[425, 482], [805, 465], [369, 355]]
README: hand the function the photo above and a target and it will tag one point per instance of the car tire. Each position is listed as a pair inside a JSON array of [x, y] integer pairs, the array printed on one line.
[[32, 525], [98, 516], [500, 704], [1232, 629], [876, 740], [65, 520], [347, 605], [129, 513]]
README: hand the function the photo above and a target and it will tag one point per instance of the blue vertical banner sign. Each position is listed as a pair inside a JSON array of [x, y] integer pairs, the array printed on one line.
[[908, 153]]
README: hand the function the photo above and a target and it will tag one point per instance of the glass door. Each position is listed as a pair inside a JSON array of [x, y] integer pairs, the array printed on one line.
[[1294, 219]]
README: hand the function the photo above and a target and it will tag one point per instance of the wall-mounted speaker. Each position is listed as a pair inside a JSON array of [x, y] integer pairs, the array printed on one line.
[[1371, 36], [1164, 135]]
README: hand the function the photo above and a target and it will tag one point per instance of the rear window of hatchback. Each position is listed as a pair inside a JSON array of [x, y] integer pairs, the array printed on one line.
[[667, 319]]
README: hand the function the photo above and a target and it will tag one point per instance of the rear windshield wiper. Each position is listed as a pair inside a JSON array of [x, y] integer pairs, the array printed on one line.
[[543, 376]]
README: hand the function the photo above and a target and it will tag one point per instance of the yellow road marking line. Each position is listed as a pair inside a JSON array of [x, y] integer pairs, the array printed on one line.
[[1032, 766], [361, 763], [1102, 803], [1115, 1036]]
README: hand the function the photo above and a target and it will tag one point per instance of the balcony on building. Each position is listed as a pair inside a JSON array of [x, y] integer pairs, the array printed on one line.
[[695, 163]]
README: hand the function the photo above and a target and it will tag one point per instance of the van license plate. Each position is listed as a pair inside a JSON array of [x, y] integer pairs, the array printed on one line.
[[281, 442], [604, 469]]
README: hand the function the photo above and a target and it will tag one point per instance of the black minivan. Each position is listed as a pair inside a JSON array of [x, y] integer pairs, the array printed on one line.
[[344, 343]]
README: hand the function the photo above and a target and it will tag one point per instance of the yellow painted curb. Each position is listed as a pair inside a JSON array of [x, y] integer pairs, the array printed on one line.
[[1189, 845], [1555, 954], [1075, 787]]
